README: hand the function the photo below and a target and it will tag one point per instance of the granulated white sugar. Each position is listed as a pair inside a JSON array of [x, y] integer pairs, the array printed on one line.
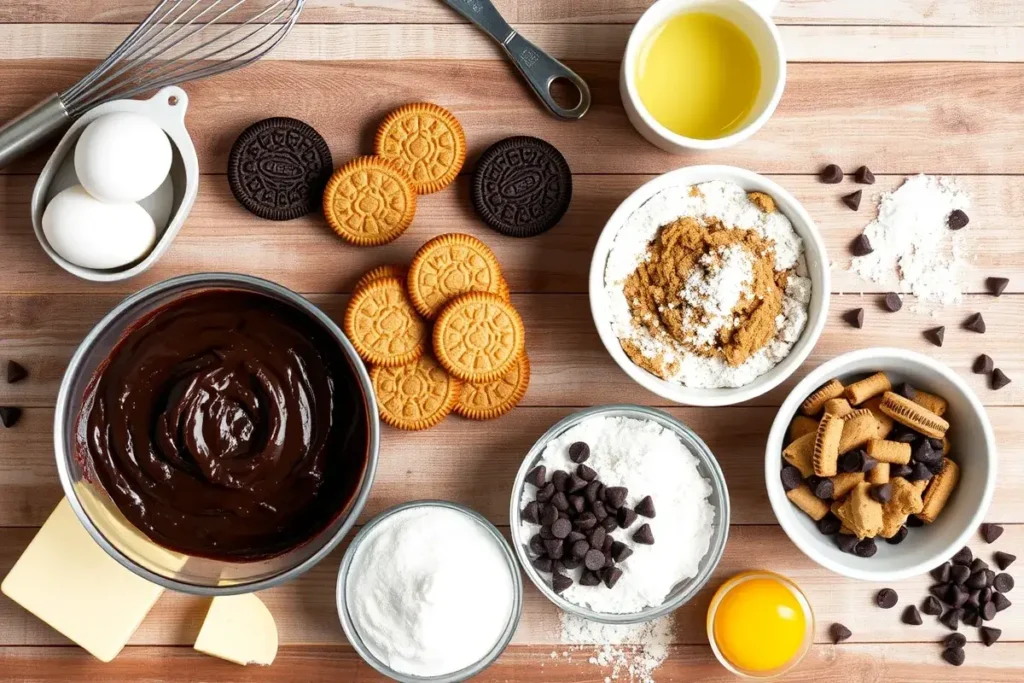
[[914, 249], [632, 652]]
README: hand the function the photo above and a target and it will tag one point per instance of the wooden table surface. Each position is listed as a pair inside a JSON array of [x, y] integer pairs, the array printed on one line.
[[903, 86]]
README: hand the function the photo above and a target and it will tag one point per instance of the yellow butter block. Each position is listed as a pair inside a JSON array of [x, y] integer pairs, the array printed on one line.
[[68, 581], [240, 629]]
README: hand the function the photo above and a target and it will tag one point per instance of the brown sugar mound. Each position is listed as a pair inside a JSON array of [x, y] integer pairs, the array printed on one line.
[[655, 292]]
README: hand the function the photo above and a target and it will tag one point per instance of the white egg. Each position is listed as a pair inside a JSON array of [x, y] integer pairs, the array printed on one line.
[[94, 234], [122, 157]]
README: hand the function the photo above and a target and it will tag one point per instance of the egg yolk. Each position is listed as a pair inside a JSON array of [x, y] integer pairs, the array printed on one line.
[[759, 625]]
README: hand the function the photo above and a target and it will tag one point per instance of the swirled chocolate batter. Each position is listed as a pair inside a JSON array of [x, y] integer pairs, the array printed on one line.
[[227, 425]]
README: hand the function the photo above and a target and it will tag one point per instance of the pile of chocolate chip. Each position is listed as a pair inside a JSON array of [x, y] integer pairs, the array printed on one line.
[[577, 513]]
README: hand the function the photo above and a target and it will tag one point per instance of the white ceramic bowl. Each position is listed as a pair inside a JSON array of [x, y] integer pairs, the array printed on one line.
[[817, 266], [973, 447]]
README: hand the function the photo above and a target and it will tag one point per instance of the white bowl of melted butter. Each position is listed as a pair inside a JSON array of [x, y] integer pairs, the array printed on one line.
[[707, 294]]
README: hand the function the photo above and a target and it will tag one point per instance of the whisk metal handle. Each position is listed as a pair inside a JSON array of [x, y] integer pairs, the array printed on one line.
[[33, 128]]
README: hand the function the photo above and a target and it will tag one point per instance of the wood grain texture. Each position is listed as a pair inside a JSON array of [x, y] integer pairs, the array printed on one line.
[[600, 42], [864, 12]]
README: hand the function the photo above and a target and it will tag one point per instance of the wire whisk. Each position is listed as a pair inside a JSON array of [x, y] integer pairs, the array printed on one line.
[[180, 41]]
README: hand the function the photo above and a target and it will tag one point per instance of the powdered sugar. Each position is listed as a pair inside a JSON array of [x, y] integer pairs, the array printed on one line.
[[914, 249], [716, 286], [632, 652]]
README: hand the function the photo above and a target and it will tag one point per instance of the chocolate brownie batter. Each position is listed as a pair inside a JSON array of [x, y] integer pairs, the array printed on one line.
[[227, 425]]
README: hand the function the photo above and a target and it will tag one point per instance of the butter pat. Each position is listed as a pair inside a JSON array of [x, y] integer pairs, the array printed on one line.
[[240, 629], [68, 581]]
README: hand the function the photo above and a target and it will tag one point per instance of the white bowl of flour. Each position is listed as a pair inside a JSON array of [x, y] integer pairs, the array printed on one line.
[[688, 374]]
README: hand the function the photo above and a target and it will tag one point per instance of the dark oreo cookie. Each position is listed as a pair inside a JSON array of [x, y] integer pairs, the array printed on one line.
[[522, 186], [278, 169]]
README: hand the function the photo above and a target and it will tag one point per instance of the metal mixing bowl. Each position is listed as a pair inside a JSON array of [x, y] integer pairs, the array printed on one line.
[[123, 541]]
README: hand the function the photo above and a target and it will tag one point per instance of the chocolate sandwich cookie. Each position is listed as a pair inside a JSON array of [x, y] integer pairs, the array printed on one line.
[[278, 168], [522, 186]]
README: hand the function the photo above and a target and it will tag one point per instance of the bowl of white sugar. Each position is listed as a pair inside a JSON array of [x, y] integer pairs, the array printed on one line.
[[619, 514], [429, 591], [709, 285]]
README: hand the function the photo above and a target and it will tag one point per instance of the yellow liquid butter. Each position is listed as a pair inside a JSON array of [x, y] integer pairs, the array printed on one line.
[[699, 75]]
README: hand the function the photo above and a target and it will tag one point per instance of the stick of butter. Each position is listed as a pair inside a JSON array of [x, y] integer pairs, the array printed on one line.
[[68, 581], [240, 629]]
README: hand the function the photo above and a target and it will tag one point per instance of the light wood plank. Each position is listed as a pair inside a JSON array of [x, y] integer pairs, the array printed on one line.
[[306, 256], [865, 12], [474, 464], [600, 42], [950, 118], [306, 615]]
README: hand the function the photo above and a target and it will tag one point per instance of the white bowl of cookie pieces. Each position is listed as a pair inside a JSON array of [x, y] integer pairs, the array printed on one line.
[[973, 448], [815, 256]]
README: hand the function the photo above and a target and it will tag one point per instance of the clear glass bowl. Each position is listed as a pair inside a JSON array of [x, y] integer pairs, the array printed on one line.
[[805, 646], [684, 591], [348, 624], [122, 540]]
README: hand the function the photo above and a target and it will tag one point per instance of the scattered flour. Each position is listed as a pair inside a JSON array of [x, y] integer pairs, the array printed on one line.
[[632, 652], [914, 249], [728, 203]]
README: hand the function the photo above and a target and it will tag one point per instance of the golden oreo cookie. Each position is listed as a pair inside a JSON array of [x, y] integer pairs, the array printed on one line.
[[450, 265], [859, 427], [426, 141], [380, 272], [369, 201], [939, 490], [826, 445], [913, 415], [804, 498], [383, 326], [800, 453], [414, 396], [816, 401], [490, 400], [478, 337], [801, 425], [876, 384]]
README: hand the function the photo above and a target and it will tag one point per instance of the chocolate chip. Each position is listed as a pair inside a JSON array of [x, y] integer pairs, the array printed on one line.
[[570, 562], [644, 535], [899, 536], [829, 524], [846, 542], [881, 493], [893, 302], [531, 513], [958, 219], [864, 176], [548, 515], [999, 380], [574, 536], [975, 323], [831, 175], [9, 416], [580, 548], [597, 537], [621, 551], [855, 317], [560, 479], [1003, 583], [615, 496], [958, 574], [609, 561], [1000, 601], [957, 596], [610, 523], [15, 372], [911, 616], [559, 582], [925, 453], [861, 246], [645, 507], [986, 594], [951, 619], [997, 285], [791, 478], [599, 511], [940, 590], [560, 502], [593, 560], [543, 564], [977, 581], [839, 633], [920, 473], [586, 521], [576, 483], [988, 611], [936, 335], [824, 489], [577, 504], [612, 576], [913, 521], [589, 578], [978, 564], [932, 606], [865, 548], [537, 476], [555, 548], [607, 545], [585, 473], [954, 656], [972, 618], [941, 573], [983, 364], [907, 391], [848, 462], [561, 528], [963, 556], [989, 635], [579, 451], [1003, 560], [852, 200], [545, 494], [954, 640], [626, 517], [886, 598], [591, 493], [537, 544], [867, 463]]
